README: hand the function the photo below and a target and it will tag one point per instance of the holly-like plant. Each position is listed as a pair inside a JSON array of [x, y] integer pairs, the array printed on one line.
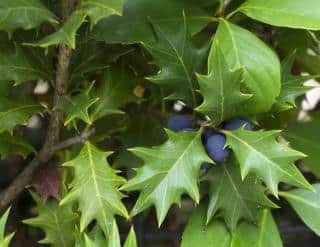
[[151, 103]]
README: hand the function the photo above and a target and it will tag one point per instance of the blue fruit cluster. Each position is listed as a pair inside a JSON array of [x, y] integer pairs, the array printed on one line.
[[214, 141]]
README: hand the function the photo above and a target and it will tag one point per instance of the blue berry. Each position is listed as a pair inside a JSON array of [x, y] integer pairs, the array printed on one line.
[[179, 122], [238, 123], [209, 132], [215, 147]]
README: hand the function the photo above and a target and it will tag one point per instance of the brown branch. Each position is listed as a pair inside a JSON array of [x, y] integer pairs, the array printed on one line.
[[53, 134], [73, 140]]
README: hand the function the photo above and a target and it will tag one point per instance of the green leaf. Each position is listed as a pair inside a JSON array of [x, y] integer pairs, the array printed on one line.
[[77, 107], [178, 60], [303, 42], [16, 112], [143, 130], [285, 13], [115, 90], [21, 65], [131, 240], [291, 85], [269, 160], [58, 222], [134, 25], [98, 9], [260, 64], [14, 145], [265, 235], [4, 240], [95, 188], [65, 35], [307, 205], [23, 14], [247, 196], [221, 88], [92, 56], [306, 137], [198, 233], [169, 170]]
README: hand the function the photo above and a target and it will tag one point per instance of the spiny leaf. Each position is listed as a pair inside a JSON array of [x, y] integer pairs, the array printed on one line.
[[98, 9], [92, 56], [4, 240], [170, 170], [134, 25], [199, 233], [65, 35], [247, 196], [47, 182], [131, 240], [178, 60], [14, 145], [58, 222], [77, 107], [95, 188], [21, 65], [307, 205], [261, 66], [96, 238], [221, 88], [115, 90], [23, 14], [269, 160], [285, 13], [291, 85], [13, 113]]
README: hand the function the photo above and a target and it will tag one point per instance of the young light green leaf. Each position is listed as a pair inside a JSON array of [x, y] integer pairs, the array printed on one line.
[[4, 240], [77, 107], [58, 222], [247, 196], [21, 65], [24, 14], [269, 160], [14, 145], [266, 234], [131, 240], [307, 205], [65, 35], [134, 25], [98, 9], [221, 88], [95, 188], [306, 137], [115, 90], [13, 113], [170, 170], [285, 13], [199, 233], [178, 60], [260, 64]]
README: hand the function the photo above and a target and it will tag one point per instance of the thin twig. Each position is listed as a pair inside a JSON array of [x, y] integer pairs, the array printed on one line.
[[53, 134], [73, 140]]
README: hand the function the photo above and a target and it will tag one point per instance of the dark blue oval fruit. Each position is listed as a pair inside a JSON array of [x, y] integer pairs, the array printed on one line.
[[238, 123], [215, 147], [179, 122]]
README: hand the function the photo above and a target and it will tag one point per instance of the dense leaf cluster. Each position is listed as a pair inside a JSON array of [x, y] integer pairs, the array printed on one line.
[[132, 63]]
